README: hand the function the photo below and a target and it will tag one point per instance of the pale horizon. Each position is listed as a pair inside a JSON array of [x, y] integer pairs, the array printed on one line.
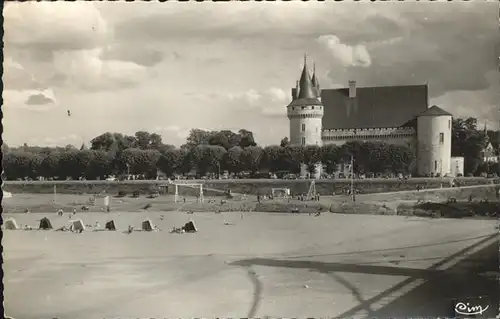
[[170, 67]]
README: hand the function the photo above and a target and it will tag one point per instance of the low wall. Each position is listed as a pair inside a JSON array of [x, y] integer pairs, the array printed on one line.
[[217, 187]]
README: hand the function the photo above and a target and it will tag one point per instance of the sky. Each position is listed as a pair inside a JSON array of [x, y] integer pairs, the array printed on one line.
[[169, 67]]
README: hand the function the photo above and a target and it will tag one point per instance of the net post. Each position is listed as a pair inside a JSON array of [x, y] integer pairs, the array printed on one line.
[[176, 196]]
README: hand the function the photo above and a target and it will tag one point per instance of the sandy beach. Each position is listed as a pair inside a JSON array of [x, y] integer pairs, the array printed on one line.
[[262, 265]]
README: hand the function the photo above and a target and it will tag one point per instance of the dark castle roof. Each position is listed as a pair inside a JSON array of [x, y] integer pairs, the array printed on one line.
[[386, 106], [307, 90], [435, 111]]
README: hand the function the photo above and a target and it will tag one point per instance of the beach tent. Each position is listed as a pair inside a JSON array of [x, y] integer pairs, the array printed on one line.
[[147, 225], [190, 227], [110, 225], [45, 223], [11, 224], [7, 194], [78, 225]]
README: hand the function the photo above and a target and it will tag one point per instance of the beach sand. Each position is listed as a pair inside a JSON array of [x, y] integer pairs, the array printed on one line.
[[262, 265]]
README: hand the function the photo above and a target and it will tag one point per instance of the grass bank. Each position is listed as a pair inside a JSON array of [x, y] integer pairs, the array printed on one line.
[[217, 187], [466, 201]]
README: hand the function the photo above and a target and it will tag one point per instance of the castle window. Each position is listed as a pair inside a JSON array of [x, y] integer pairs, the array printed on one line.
[[312, 107], [435, 165], [293, 108], [316, 129], [449, 124], [303, 107], [303, 141], [303, 127], [441, 138]]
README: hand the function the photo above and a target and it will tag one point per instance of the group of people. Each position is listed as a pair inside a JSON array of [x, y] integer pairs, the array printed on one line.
[[60, 212]]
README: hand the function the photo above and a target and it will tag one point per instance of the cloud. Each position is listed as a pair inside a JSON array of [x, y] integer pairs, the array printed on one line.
[[232, 64], [356, 55], [143, 56], [84, 69], [16, 77], [142, 22], [269, 103], [70, 139], [49, 27], [30, 100], [64, 45], [38, 99], [450, 51]]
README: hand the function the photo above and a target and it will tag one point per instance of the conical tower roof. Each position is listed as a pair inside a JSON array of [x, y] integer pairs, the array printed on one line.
[[435, 111], [315, 82], [306, 86]]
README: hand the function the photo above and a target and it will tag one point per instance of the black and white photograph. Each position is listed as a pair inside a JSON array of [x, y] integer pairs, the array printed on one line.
[[244, 159]]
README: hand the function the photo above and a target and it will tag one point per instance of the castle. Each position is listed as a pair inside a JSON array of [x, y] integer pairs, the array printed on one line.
[[392, 114]]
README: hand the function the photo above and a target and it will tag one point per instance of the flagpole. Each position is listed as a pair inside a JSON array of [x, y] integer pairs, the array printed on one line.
[[352, 179]]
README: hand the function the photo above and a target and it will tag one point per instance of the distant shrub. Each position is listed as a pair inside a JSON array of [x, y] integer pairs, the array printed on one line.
[[136, 194], [153, 189], [121, 194]]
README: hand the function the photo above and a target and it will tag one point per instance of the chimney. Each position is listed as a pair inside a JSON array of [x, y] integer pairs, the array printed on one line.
[[352, 89]]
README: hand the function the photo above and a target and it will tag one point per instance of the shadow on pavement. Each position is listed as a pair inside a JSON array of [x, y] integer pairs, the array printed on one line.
[[473, 277]]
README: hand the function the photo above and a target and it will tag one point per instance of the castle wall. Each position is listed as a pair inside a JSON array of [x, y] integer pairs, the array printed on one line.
[[434, 149], [397, 136]]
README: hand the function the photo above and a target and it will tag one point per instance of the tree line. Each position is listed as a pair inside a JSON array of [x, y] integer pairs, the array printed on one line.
[[214, 152]]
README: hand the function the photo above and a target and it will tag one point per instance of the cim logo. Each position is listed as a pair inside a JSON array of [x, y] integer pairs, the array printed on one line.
[[470, 309]]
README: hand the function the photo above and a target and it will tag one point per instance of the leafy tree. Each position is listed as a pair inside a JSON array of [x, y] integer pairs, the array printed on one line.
[[246, 138], [35, 166], [312, 156], [17, 165], [272, 158], [143, 140], [374, 157], [208, 157], [124, 142], [69, 165], [354, 149], [103, 142], [226, 139], [99, 164], [469, 142], [155, 141], [233, 159], [330, 157], [170, 161], [187, 161], [251, 158], [5, 148], [198, 137], [50, 165], [494, 139], [285, 142], [401, 158], [291, 157]]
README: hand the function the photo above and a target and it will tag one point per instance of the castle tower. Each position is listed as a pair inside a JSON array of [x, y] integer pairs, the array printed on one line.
[[305, 112], [434, 142]]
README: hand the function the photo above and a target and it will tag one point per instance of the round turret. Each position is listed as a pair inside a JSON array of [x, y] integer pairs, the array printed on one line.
[[305, 112], [434, 142]]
